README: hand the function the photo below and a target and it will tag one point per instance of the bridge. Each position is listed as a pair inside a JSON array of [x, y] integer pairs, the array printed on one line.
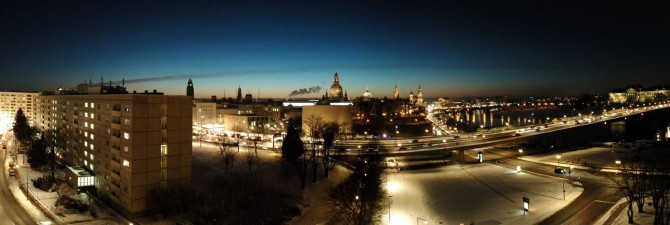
[[443, 145]]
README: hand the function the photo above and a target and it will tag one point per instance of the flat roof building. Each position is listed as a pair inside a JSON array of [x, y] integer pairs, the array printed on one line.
[[10, 102], [131, 143]]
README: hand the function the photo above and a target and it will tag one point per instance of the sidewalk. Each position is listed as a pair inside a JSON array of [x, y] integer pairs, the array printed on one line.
[[43, 203]]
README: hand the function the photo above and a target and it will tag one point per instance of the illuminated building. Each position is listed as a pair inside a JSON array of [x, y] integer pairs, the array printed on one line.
[[396, 93], [10, 102], [638, 94], [130, 143]]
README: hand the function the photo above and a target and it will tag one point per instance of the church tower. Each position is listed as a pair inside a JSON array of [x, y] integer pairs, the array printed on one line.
[[419, 96], [411, 98], [396, 94], [239, 94], [189, 88]]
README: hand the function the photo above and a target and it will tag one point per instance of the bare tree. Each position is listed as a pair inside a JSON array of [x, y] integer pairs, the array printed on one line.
[[360, 197], [257, 138], [55, 141], [250, 158], [236, 132], [227, 153], [330, 132], [626, 183], [314, 125], [646, 176]]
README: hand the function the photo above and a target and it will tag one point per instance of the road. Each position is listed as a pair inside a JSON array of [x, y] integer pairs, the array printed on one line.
[[599, 195], [445, 144], [12, 212]]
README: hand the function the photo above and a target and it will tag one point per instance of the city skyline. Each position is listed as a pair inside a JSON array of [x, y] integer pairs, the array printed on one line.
[[451, 49]]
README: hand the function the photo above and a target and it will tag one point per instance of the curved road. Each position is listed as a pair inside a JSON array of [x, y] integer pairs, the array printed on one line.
[[599, 195], [12, 212]]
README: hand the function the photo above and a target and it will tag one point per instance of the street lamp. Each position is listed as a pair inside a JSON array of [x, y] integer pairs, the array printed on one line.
[[389, 200], [558, 159]]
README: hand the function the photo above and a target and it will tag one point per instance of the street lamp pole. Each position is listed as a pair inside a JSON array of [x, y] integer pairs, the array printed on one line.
[[563, 189], [389, 200]]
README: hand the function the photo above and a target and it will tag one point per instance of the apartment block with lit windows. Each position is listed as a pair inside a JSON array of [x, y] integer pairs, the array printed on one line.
[[131, 143], [10, 102]]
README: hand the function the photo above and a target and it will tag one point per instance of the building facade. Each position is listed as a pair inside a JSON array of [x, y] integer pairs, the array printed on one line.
[[638, 94], [340, 114], [10, 102], [131, 143]]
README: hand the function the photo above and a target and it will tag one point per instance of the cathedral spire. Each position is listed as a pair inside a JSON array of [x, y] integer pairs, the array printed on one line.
[[396, 94]]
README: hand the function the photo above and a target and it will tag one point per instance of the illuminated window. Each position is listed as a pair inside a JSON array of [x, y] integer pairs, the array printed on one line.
[[92, 157], [125, 148], [85, 153], [85, 133], [86, 143], [86, 124], [126, 135], [86, 104], [164, 149], [92, 116], [92, 126], [92, 105], [85, 114], [126, 108], [85, 163], [126, 122], [91, 166], [126, 163], [92, 147], [92, 136], [85, 181]]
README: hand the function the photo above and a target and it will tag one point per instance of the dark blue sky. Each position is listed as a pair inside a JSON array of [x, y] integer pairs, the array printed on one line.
[[479, 48]]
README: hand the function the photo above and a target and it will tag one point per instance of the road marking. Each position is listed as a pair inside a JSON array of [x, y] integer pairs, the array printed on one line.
[[604, 201]]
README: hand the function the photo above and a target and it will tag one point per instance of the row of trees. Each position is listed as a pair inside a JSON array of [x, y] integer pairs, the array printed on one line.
[[646, 176], [318, 151], [42, 147], [359, 198]]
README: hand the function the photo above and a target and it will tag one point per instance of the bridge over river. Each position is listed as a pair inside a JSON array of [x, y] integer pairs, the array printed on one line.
[[442, 145]]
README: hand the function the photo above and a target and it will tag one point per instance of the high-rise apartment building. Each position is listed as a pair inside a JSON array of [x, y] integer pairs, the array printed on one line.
[[132, 143], [10, 102]]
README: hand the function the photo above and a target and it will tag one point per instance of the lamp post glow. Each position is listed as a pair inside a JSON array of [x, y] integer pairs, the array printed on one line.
[[518, 169], [480, 157]]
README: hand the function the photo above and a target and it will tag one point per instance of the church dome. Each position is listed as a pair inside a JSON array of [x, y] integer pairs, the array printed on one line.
[[367, 94], [336, 90]]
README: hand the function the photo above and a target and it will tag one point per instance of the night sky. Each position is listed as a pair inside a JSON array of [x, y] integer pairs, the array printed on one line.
[[469, 48]]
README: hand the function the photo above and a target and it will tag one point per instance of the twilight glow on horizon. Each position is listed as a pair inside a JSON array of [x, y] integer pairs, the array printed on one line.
[[274, 47]]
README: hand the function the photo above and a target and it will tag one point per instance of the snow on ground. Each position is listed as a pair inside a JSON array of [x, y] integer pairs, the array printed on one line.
[[207, 163], [646, 217], [600, 156], [47, 200], [483, 193]]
